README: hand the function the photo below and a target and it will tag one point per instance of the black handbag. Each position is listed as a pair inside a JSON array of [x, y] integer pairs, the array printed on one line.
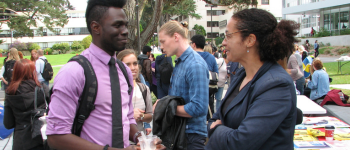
[[36, 114]]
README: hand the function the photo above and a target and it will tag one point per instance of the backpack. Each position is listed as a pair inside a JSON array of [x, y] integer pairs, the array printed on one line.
[[47, 71], [9, 69], [88, 97], [165, 70], [213, 80]]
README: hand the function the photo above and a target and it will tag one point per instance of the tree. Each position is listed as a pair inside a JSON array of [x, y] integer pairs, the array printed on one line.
[[86, 41], [19, 45], [236, 4], [51, 13], [218, 40], [199, 30], [33, 46], [149, 15], [76, 45]]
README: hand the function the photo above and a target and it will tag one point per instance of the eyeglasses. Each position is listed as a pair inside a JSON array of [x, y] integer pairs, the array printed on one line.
[[227, 36]]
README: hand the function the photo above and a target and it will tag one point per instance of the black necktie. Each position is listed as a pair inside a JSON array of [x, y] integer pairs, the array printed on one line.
[[117, 122]]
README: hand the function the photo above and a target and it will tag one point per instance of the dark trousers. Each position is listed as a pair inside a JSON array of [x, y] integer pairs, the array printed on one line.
[[316, 52], [154, 90], [300, 83], [195, 141], [211, 101]]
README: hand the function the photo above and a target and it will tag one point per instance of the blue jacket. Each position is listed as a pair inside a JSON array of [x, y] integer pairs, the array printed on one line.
[[319, 84], [267, 123], [210, 60], [162, 89]]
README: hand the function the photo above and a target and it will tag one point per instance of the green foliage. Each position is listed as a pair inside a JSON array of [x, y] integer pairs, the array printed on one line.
[[76, 45], [86, 41], [64, 47], [199, 30], [153, 42], [327, 51], [181, 8], [1, 41], [19, 45], [1, 50], [332, 70], [322, 33], [328, 44], [344, 31], [344, 51], [218, 40], [49, 12], [49, 50], [33, 46]]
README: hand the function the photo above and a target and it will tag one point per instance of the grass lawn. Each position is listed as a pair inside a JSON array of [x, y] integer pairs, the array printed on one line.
[[53, 59], [345, 91], [332, 69]]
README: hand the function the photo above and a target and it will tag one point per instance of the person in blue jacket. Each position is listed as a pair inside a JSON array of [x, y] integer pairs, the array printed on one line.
[[259, 109]]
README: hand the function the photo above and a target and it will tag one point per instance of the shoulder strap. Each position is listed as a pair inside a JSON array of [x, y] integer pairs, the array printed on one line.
[[88, 97], [36, 97], [122, 67], [143, 91], [222, 63], [45, 61]]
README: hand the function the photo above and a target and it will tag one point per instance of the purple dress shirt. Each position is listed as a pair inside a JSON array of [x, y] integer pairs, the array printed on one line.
[[68, 87]]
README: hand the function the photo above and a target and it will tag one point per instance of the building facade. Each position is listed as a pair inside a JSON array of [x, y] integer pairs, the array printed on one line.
[[214, 18], [328, 15]]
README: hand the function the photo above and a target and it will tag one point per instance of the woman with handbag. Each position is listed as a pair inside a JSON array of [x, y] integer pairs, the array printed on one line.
[[20, 110], [141, 98], [259, 109]]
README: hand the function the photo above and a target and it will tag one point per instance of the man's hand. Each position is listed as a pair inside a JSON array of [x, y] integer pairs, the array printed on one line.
[[217, 122], [138, 113], [158, 142]]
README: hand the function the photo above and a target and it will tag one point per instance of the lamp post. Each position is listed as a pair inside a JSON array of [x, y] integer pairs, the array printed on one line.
[[138, 28], [211, 23]]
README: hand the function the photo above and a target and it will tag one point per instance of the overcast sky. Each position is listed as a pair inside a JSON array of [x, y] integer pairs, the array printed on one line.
[[79, 4]]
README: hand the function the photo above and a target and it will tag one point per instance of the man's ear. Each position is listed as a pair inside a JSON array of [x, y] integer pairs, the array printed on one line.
[[95, 27]]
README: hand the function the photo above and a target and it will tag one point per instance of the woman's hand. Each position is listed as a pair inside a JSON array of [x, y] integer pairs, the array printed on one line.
[[138, 113], [154, 105], [148, 131], [217, 122]]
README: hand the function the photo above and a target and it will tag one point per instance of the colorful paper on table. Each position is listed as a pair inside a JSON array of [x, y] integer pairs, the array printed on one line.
[[304, 138], [313, 144]]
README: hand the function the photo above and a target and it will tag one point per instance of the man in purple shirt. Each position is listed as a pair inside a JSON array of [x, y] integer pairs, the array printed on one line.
[[107, 24]]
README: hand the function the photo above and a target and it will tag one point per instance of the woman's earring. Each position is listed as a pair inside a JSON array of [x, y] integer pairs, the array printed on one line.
[[248, 51]]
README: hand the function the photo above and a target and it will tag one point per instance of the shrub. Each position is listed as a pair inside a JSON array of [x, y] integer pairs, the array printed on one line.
[[76, 45], [322, 33], [344, 31], [321, 44], [19, 45], [64, 47], [86, 41], [344, 51], [327, 51], [49, 50], [33, 46], [328, 44], [1, 50]]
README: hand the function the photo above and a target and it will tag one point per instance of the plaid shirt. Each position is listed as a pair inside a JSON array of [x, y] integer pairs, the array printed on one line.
[[190, 80]]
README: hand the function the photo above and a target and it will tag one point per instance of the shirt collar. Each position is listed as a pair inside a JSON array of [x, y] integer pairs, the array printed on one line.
[[100, 54], [184, 55]]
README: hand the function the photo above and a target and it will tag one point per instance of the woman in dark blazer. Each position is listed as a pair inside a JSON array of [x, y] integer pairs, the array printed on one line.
[[259, 109], [19, 103]]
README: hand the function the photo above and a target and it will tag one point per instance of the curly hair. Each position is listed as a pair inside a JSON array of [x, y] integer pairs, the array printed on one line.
[[275, 40]]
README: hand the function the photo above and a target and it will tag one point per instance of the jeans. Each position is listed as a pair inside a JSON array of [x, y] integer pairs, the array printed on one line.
[[300, 85], [316, 52], [195, 141], [218, 97]]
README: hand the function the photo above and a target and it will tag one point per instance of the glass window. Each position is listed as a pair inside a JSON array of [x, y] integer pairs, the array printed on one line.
[[344, 20], [213, 35], [265, 2], [213, 24], [326, 21]]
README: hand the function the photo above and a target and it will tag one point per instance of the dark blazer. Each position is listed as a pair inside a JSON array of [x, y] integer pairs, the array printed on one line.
[[162, 89], [17, 114], [266, 123]]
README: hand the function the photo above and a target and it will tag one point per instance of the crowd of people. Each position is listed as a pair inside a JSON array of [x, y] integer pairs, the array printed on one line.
[[258, 58]]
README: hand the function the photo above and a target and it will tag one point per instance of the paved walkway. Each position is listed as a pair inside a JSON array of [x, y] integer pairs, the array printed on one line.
[[341, 86]]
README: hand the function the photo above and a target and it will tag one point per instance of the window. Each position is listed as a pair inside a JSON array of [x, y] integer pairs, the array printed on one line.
[[265, 2], [215, 12], [213, 24], [326, 21], [213, 35]]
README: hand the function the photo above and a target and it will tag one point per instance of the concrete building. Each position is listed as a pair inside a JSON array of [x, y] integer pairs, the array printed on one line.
[[75, 30], [330, 15], [214, 19]]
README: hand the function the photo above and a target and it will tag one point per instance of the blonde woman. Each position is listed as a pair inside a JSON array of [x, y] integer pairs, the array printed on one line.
[[12, 58], [207, 48], [141, 99]]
